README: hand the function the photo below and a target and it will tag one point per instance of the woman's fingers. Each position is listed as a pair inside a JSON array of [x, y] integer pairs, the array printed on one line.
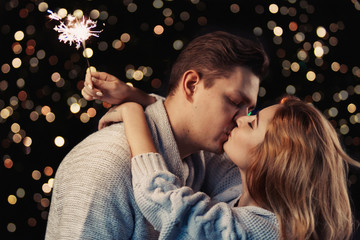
[[112, 116], [91, 93], [104, 121], [88, 81], [101, 124], [86, 94]]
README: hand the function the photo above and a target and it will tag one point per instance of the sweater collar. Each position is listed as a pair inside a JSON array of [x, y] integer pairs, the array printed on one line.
[[164, 139]]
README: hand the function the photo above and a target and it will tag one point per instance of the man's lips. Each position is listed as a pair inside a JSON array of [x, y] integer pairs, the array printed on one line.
[[228, 132]]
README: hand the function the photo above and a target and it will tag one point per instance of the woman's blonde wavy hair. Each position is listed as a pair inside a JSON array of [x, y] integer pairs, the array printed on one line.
[[299, 172]]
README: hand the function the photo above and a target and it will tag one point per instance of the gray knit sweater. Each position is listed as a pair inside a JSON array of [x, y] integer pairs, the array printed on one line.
[[93, 197], [179, 213]]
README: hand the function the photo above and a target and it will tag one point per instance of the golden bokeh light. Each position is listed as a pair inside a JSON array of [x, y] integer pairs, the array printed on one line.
[[88, 53], [273, 8], [125, 37], [11, 227], [16, 62], [20, 193], [351, 108], [15, 127], [8, 163], [59, 141], [311, 76], [158, 3], [50, 117], [43, 7], [12, 199], [295, 67], [78, 13], [19, 35], [75, 108], [278, 31], [84, 118], [234, 8], [158, 29], [27, 141], [91, 112], [45, 110], [321, 32], [48, 171], [36, 175], [138, 75], [46, 188]]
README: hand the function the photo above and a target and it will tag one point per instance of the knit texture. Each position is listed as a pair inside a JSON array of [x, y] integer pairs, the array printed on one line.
[[93, 197], [180, 213]]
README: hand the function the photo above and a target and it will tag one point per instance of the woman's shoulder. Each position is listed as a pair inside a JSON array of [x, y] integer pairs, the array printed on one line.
[[258, 222], [253, 210]]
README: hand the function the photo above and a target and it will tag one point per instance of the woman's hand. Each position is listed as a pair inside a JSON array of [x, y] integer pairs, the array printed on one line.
[[113, 115], [136, 129], [105, 87], [108, 88], [116, 114]]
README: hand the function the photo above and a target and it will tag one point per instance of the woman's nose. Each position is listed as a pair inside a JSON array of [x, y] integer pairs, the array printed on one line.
[[242, 119], [238, 121], [240, 113]]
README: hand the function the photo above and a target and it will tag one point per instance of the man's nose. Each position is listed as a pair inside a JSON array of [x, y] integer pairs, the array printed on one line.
[[241, 112]]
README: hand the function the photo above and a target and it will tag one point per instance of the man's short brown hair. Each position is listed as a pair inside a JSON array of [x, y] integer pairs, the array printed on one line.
[[215, 55]]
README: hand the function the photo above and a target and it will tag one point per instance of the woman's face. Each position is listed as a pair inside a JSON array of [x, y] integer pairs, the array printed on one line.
[[249, 132]]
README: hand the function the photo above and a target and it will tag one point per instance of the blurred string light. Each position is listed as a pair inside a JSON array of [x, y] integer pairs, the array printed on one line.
[[303, 52]]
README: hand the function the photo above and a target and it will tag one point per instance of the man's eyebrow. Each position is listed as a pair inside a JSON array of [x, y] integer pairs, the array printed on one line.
[[246, 99]]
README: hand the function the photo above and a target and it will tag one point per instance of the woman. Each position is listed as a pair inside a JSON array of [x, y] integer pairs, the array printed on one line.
[[293, 171]]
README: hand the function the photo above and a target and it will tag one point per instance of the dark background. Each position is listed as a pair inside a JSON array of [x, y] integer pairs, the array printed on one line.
[[29, 97]]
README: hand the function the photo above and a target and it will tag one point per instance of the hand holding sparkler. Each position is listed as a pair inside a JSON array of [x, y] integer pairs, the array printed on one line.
[[110, 89], [101, 86]]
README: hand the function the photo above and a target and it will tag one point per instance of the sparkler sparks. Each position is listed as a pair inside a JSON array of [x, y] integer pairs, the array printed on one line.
[[72, 30]]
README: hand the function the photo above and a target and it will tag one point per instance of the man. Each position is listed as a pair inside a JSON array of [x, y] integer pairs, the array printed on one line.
[[215, 79]]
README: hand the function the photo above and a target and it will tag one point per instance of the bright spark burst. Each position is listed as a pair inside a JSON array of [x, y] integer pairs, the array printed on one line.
[[72, 30]]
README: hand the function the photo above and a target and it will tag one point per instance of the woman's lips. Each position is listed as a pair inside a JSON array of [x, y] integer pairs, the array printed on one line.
[[228, 133]]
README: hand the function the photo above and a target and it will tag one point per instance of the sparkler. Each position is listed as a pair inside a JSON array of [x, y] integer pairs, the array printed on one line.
[[72, 30]]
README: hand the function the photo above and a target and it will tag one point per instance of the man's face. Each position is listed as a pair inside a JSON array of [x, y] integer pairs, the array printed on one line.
[[215, 109]]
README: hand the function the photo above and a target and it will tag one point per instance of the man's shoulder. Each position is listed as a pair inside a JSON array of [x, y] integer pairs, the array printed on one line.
[[109, 139], [103, 152]]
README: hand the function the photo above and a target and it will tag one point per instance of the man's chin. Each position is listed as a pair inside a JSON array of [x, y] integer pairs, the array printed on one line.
[[216, 150], [219, 149]]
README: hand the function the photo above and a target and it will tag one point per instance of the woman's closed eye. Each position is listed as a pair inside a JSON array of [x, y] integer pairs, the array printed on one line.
[[253, 122]]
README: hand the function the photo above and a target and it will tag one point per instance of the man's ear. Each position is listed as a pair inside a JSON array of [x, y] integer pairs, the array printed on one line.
[[191, 80]]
